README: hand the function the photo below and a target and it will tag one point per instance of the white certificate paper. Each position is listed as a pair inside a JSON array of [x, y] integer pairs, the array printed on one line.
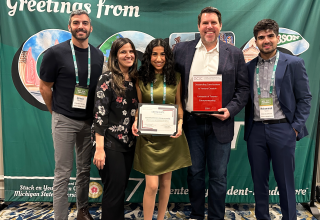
[[157, 119]]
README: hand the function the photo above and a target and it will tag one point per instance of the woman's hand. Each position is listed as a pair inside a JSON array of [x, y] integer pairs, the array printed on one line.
[[134, 128], [99, 158], [178, 134]]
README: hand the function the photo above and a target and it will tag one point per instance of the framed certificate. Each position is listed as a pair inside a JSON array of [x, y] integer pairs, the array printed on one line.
[[207, 94], [157, 119]]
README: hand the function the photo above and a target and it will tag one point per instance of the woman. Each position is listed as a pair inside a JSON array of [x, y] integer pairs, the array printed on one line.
[[155, 156], [115, 108]]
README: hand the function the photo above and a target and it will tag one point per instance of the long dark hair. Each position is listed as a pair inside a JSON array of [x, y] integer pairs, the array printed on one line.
[[146, 71], [113, 66]]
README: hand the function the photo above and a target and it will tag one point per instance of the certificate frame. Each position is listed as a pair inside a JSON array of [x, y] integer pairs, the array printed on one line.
[[148, 114]]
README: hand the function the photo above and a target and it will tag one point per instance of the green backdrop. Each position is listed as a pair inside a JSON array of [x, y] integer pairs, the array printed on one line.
[[27, 141]]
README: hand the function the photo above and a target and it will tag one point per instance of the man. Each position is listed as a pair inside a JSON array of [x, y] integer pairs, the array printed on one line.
[[65, 69], [209, 136], [275, 118]]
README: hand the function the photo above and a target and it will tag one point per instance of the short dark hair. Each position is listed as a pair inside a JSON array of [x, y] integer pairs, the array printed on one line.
[[146, 70], [266, 24], [209, 10], [78, 12]]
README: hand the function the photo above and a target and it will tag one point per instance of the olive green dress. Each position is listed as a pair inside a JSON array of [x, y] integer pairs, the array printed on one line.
[[155, 155]]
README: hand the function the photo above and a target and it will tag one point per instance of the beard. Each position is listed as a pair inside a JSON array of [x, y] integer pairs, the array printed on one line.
[[270, 51], [83, 37]]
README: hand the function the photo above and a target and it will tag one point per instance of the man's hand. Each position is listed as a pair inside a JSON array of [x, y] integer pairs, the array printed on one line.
[[223, 117], [296, 132], [46, 92]]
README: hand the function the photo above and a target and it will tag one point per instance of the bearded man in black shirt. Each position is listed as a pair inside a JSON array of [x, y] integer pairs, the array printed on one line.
[[69, 73]]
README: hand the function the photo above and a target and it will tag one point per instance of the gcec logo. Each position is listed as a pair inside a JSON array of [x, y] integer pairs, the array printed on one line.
[[291, 42]]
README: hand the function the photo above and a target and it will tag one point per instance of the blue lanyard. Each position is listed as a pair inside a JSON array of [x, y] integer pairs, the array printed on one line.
[[76, 66], [272, 77], [164, 91]]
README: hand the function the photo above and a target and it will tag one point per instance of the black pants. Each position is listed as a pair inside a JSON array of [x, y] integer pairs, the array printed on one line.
[[115, 176]]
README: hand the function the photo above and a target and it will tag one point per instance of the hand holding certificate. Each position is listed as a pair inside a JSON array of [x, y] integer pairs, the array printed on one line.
[[157, 119]]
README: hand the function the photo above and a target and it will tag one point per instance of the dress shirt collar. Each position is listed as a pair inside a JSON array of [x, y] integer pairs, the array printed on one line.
[[271, 60], [200, 45]]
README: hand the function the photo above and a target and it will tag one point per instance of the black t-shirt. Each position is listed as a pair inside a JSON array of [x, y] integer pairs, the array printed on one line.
[[57, 66]]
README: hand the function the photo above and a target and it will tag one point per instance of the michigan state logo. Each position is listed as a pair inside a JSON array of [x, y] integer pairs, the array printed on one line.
[[95, 190]]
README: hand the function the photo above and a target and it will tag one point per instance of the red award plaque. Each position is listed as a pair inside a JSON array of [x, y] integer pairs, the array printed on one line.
[[207, 94]]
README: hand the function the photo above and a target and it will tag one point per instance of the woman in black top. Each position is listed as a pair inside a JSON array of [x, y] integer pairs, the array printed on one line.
[[114, 113]]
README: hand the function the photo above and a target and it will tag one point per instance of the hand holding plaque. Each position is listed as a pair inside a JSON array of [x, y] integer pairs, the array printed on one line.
[[207, 94]]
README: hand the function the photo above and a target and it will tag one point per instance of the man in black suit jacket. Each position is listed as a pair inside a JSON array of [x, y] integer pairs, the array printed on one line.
[[209, 136]]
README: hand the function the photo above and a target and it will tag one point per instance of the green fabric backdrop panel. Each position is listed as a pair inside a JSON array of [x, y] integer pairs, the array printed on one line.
[[35, 24]]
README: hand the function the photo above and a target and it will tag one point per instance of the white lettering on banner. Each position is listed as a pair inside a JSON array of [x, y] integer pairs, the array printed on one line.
[[238, 192], [31, 4], [47, 191], [46, 6], [67, 7], [273, 192], [180, 191], [13, 8], [117, 10], [46, 187], [284, 38], [22, 187], [140, 180], [237, 126], [41, 5], [28, 194]]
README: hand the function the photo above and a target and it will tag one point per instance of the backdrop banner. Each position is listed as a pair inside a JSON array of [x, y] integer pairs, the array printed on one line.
[[29, 27]]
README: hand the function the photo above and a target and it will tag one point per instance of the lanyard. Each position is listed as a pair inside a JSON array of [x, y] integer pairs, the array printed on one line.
[[164, 90], [272, 77], [76, 66]]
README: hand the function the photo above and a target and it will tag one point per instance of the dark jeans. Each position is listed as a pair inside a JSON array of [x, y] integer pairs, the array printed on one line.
[[276, 143], [205, 149]]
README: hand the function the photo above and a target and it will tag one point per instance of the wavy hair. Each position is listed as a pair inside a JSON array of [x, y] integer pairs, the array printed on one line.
[[264, 25], [146, 71], [113, 66]]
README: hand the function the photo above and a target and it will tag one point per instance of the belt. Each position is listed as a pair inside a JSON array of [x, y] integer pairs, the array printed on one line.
[[202, 115], [198, 115], [283, 120]]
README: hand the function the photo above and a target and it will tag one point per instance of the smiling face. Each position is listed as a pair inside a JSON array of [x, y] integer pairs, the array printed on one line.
[[267, 42], [158, 59], [209, 29], [80, 27], [125, 57]]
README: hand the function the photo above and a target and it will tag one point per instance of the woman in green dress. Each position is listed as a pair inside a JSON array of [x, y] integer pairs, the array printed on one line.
[[158, 156]]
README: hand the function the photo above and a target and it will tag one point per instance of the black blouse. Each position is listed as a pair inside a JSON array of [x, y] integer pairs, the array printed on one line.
[[114, 115]]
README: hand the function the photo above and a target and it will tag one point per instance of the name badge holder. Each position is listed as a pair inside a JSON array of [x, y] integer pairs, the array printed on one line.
[[80, 94], [266, 104]]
